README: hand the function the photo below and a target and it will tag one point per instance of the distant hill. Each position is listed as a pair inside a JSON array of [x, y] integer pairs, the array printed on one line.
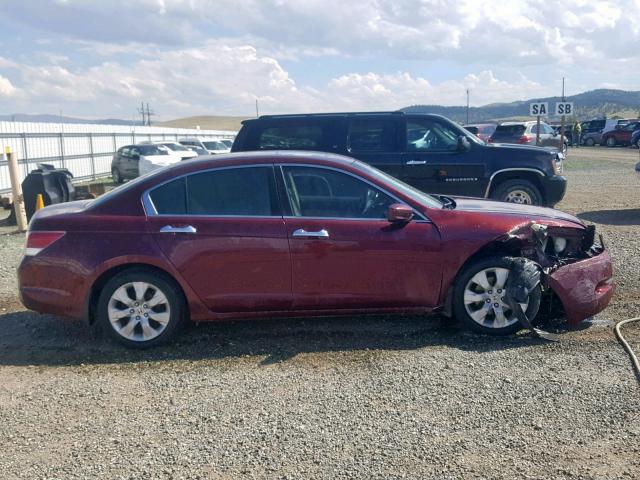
[[206, 122], [25, 117], [594, 103]]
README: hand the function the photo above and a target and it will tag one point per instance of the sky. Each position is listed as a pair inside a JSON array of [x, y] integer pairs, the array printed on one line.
[[101, 58]]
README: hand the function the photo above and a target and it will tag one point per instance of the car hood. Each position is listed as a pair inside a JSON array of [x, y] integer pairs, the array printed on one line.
[[520, 147], [488, 206]]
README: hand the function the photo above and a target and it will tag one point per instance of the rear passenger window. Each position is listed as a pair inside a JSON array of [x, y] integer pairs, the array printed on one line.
[[235, 191], [291, 137], [372, 135]]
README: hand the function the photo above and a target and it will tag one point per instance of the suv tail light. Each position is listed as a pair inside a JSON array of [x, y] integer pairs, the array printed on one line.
[[524, 139], [38, 241]]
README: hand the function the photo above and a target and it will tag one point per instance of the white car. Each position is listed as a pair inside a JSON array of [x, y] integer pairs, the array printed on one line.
[[215, 147], [180, 150], [132, 161]]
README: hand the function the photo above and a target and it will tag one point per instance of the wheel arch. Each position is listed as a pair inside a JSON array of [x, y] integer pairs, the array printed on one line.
[[99, 283], [530, 174]]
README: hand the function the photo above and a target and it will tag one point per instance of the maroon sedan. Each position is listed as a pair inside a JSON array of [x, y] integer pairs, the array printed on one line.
[[298, 233]]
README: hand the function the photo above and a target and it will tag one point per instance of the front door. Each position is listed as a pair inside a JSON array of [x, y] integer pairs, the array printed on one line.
[[435, 164], [346, 255], [223, 231]]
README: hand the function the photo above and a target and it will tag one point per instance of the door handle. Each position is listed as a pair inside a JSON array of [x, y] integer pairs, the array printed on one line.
[[301, 232], [171, 229], [416, 162]]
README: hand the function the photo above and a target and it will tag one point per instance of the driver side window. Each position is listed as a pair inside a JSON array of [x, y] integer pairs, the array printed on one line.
[[430, 136], [319, 192]]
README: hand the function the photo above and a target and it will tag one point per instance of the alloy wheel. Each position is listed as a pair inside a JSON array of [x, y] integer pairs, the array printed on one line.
[[484, 299], [519, 196], [139, 311]]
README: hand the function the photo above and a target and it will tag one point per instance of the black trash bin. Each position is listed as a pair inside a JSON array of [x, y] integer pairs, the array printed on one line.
[[53, 183]]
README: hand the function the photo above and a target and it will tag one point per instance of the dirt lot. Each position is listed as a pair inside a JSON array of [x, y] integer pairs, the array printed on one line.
[[334, 398]]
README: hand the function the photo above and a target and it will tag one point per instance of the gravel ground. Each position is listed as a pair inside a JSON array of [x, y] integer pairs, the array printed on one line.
[[382, 397]]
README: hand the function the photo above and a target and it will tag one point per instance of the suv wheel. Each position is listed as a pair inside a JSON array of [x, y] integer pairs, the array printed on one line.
[[115, 174], [589, 142], [478, 298], [517, 191], [611, 142], [140, 309]]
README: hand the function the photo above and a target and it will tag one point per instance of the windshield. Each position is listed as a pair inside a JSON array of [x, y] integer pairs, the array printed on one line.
[[176, 147], [509, 130], [214, 145], [151, 150], [407, 189]]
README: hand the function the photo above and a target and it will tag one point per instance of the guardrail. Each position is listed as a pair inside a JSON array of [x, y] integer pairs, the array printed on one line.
[[85, 149]]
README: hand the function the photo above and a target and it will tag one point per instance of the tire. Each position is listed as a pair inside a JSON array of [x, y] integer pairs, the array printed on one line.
[[590, 142], [486, 319], [611, 142], [517, 191], [637, 144], [565, 147], [117, 177], [128, 292]]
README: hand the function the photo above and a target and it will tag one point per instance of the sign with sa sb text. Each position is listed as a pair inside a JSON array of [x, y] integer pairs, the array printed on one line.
[[564, 108], [539, 109]]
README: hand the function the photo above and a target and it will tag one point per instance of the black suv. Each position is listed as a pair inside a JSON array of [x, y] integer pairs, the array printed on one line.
[[429, 152]]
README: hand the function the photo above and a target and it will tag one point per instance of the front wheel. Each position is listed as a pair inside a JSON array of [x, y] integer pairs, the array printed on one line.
[[611, 142], [517, 191], [589, 142], [140, 308], [479, 298], [117, 177]]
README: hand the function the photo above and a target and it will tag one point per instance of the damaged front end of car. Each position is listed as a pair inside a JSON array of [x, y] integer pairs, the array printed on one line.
[[572, 265]]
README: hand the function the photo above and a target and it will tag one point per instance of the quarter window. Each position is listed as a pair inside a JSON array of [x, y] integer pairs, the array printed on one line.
[[291, 137], [233, 192], [318, 192]]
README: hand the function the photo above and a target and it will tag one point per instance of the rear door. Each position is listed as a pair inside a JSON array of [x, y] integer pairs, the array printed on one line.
[[376, 140], [433, 162], [223, 231]]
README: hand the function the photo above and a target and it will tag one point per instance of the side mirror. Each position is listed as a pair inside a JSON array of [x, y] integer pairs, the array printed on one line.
[[463, 144], [399, 213]]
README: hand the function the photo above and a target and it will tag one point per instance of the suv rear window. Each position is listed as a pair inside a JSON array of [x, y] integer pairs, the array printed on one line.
[[509, 130], [291, 137]]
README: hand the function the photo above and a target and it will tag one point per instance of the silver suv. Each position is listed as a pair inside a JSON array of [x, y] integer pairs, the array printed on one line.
[[524, 133]]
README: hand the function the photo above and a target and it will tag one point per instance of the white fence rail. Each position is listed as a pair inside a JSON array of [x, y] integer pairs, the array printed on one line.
[[85, 149]]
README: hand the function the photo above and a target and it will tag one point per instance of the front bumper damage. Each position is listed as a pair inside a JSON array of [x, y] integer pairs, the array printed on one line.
[[580, 275]]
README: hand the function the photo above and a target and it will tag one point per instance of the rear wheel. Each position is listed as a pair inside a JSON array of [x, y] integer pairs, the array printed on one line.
[[117, 177], [590, 142], [479, 298], [611, 142], [517, 191], [140, 308]]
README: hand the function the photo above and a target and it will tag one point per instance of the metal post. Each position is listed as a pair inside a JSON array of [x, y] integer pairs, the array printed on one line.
[[115, 144], [62, 149], [16, 188], [467, 106], [538, 132], [562, 121], [24, 149], [93, 159]]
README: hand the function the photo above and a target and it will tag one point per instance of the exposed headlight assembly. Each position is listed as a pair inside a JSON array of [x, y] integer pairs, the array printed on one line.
[[559, 244]]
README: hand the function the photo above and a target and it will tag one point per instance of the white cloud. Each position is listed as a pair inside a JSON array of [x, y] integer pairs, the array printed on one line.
[[6, 88]]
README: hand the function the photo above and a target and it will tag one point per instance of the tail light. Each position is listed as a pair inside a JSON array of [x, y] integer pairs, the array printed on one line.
[[38, 241], [524, 139]]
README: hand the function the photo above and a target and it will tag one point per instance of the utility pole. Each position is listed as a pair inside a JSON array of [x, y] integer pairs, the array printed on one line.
[[467, 106], [562, 121], [257, 111], [149, 113], [142, 112]]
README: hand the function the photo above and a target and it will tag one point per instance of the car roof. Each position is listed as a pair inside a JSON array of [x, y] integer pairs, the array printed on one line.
[[340, 114]]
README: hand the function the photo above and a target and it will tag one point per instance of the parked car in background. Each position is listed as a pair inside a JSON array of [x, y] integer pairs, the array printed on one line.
[[482, 130], [621, 135], [194, 144], [132, 161], [227, 142], [635, 139], [429, 152], [176, 149], [269, 234], [525, 133], [593, 129], [216, 147]]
